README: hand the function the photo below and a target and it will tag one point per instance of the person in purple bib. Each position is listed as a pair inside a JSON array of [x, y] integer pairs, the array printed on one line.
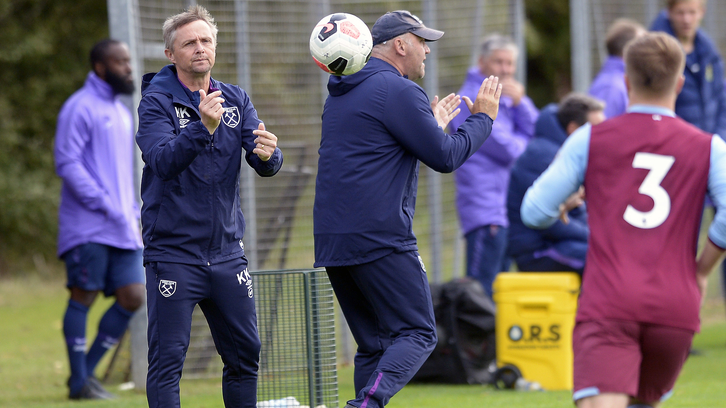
[[98, 222], [481, 182], [609, 85]]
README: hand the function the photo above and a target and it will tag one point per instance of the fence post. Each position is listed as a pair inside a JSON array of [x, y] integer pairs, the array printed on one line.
[[248, 195], [580, 44], [652, 7], [123, 26], [599, 31], [477, 32], [519, 19], [433, 179]]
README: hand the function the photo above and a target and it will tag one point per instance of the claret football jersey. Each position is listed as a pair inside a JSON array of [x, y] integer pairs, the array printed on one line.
[[646, 180]]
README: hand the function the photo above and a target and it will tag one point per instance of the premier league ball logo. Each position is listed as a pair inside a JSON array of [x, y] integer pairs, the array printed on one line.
[[341, 44]]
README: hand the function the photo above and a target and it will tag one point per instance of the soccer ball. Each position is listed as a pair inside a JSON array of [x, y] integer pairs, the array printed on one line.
[[341, 44]]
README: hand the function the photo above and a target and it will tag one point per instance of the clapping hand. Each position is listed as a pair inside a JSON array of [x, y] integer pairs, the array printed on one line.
[[487, 99], [446, 109], [211, 110], [513, 89], [266, 143]]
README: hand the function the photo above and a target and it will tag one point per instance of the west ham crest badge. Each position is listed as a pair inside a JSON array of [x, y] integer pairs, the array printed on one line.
[[231, 117], [167, 287]]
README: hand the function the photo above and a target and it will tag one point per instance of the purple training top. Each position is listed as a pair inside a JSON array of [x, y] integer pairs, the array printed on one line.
[[94, 156]]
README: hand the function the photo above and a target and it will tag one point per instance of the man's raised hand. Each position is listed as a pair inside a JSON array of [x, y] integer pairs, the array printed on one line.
[[265, 143], [487, 100], [446, 109], [211, 110]]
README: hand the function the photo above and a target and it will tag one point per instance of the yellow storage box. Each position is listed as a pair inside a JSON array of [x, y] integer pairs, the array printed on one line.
[[534, 322]]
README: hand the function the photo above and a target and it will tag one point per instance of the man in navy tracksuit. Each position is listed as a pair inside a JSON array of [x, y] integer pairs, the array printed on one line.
[[377, 125], [192, 132], [702, 102], [560, 247]]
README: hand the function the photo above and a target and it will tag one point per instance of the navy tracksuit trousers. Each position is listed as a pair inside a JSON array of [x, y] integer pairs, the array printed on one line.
[[225, 295], [387, 304]]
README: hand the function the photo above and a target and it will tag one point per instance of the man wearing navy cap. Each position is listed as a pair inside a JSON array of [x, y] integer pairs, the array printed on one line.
[[377, 125]]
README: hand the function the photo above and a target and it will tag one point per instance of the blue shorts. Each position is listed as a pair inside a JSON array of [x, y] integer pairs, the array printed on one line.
[[93, 267]]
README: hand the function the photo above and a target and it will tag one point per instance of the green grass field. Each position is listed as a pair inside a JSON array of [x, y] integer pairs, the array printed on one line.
[[34, 368]]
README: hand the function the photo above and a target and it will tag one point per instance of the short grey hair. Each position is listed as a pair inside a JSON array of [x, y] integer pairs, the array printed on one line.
[[192, 14], [496, 42]]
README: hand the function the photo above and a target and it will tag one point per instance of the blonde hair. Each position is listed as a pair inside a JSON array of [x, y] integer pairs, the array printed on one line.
[[192, 14], [653, 63]]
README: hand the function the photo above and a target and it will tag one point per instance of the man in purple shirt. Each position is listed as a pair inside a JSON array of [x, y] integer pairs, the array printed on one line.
[[609, 85], [98, 232], [481, 182]]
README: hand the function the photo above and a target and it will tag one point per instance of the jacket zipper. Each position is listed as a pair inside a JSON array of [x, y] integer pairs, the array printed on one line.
[[212, 175]]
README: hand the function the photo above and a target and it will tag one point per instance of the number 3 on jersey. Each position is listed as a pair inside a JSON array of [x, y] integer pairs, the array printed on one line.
[[659, 166]]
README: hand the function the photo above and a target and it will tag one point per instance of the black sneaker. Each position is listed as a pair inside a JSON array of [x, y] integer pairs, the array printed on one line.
[[88, 393], [98, 387]]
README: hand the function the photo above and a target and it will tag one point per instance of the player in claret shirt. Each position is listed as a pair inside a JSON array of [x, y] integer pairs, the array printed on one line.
[[645, 174]]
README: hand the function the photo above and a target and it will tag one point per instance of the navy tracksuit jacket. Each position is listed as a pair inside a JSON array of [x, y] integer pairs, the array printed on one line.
[[569, 241], [376, 127], [192, 231], [702, 101]]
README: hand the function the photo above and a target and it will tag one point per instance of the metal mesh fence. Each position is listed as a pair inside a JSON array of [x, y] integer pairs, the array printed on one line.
[[714, 23], [296, 323], [602, 13], [263, 47]]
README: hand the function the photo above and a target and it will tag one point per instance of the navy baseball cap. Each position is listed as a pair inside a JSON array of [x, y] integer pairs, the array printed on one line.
[[395, 23]]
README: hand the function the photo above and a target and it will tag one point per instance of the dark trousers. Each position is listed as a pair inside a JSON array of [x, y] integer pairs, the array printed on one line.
[[387, 304], [486, 254], [224, 293]]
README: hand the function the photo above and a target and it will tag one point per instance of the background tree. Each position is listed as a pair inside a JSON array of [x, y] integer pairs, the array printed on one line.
[[44, 59], [548, 50]]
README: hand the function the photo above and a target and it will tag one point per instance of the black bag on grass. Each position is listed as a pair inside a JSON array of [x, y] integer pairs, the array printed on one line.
[[465, 329]]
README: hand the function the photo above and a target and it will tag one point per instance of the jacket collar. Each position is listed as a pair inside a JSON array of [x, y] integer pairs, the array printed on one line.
[[340, 85], [99, 86], [614, 64], [166, 82], [548, 126]]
